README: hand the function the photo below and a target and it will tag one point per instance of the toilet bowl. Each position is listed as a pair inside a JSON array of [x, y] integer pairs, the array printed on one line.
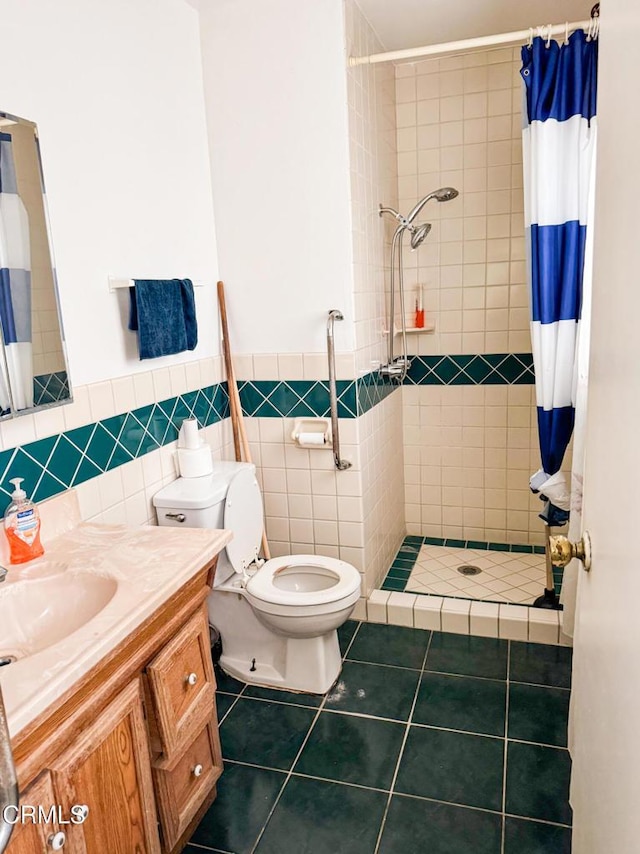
[[277, 619]]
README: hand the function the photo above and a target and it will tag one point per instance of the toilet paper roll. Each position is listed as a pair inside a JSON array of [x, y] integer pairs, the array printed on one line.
[[195, 462], [311, 439], [189, 436]]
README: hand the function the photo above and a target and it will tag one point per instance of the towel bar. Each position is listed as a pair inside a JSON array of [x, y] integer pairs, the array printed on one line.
[[116, 284]]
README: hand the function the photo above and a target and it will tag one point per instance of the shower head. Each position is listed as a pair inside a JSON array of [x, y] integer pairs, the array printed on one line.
[[444, 194], [418, 234]]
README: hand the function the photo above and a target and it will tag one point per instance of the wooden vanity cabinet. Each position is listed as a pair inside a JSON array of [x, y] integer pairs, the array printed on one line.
[[136, 740]]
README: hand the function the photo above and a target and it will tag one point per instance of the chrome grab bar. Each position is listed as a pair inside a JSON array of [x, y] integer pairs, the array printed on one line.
[[340, 464], [8, 779]]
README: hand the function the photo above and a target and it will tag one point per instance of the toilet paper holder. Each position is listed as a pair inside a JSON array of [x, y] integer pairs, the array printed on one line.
[[312, 433]]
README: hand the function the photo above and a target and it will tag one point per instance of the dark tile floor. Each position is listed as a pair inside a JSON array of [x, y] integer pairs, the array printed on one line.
[[428, 742]]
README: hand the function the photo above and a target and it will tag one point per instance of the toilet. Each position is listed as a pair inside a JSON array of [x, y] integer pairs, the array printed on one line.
[[278, 619]]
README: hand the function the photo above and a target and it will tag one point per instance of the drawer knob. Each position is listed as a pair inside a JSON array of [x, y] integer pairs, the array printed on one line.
[[192, 678], [197, 771], [56, 841]]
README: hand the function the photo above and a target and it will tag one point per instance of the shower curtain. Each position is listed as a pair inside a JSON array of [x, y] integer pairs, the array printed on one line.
[[16, 373], [559, 139]]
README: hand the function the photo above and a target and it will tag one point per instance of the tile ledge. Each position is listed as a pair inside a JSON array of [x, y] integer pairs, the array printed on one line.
[[522, 614]]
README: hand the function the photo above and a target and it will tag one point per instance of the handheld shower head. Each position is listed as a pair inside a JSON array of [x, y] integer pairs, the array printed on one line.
[[418, 234], [444, 194]]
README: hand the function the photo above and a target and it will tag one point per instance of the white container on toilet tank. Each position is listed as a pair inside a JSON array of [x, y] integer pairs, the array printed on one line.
[[278, 619]]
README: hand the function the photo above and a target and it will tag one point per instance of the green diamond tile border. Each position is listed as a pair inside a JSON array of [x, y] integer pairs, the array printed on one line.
[[56, 463], [51, 465], [480, 369], [50, 388]]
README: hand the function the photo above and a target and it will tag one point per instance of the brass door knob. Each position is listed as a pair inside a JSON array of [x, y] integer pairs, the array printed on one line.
[[562, 551]]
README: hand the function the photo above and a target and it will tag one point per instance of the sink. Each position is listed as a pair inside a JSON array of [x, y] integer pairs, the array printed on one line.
[[38, 613]]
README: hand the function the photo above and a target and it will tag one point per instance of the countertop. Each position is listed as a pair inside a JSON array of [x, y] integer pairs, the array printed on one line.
[[149, 564]]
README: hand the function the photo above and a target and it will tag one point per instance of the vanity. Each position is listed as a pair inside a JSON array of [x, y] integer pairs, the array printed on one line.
[[113, 724]]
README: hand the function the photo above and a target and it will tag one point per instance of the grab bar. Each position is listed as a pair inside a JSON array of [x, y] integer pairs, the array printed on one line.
[[334, 315], [8, 780]]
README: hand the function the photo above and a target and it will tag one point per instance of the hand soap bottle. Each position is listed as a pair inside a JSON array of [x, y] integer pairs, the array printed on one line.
[[22, 526]]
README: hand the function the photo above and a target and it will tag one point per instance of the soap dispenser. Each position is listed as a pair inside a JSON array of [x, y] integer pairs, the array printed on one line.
[[22, 526]]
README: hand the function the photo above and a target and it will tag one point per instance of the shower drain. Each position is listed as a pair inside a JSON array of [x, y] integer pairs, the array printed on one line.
[[469, 569]]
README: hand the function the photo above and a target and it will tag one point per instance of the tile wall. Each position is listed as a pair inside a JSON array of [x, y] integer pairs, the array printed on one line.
[[469, 449], [374, 181], [112, 444], [459, 124], [357, 515]]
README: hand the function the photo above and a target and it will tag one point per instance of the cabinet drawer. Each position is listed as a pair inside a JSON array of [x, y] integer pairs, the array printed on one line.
[[183, 789], [182, 684]]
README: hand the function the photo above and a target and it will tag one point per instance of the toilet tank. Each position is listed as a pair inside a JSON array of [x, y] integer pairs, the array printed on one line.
[[199, 502], [192, 502]]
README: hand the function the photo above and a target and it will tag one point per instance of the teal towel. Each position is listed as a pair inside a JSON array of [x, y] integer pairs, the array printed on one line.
[[163, 312]]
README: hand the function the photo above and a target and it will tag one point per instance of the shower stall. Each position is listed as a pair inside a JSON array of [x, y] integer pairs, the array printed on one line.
[[469, 407]]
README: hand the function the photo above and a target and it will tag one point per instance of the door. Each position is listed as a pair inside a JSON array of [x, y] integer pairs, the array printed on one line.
[[606, 692], [108, 769]]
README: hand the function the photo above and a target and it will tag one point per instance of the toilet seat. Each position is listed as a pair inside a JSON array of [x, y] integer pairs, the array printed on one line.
[[264, 587]]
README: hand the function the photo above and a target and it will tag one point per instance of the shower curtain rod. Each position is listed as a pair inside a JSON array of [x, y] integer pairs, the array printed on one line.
[[548, 31]]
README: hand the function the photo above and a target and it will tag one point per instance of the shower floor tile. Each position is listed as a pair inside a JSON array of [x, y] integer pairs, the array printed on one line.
[[405, 753], [502, 576]]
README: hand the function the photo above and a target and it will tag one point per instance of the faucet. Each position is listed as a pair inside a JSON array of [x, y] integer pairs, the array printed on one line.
[[3, 573], [8, 779]]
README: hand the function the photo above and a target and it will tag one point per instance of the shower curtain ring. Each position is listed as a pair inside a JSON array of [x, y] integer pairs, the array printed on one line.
[[530, 37], [549, 31], [566, 32]]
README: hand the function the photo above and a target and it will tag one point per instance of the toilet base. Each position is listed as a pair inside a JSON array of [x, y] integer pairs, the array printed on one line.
[[254, 654]]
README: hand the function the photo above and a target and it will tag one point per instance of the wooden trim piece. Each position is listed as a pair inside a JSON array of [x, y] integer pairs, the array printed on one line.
[[36, 746]]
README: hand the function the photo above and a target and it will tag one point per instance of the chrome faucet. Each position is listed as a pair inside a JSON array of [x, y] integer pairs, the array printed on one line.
[[3, 573]]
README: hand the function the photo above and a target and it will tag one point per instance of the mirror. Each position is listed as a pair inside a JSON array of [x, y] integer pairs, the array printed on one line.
[[33, 365]]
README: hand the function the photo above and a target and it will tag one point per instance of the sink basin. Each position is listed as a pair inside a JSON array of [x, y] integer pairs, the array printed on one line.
[[38, 613]]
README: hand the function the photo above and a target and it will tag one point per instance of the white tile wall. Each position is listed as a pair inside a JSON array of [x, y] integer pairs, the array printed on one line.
[[356, 515], [459, 124], [372, 144], [469, 452]]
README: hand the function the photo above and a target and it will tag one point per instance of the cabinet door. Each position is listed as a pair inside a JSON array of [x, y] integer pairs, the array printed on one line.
[[35, 837], [108, 769]]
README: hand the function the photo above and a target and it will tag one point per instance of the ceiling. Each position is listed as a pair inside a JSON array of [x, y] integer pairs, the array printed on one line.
[[413, 23]]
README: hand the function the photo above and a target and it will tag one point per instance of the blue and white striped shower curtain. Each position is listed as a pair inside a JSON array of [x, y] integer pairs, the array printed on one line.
[[559, 140], [15, 288]]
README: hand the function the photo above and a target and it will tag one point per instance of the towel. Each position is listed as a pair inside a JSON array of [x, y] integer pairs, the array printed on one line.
[[163, 312]]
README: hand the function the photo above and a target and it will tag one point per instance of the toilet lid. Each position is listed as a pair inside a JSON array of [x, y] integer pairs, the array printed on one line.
[[243, 514]]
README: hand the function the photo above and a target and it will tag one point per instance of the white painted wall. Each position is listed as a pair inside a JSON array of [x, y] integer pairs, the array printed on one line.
[[275, 86], [116, 90]]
